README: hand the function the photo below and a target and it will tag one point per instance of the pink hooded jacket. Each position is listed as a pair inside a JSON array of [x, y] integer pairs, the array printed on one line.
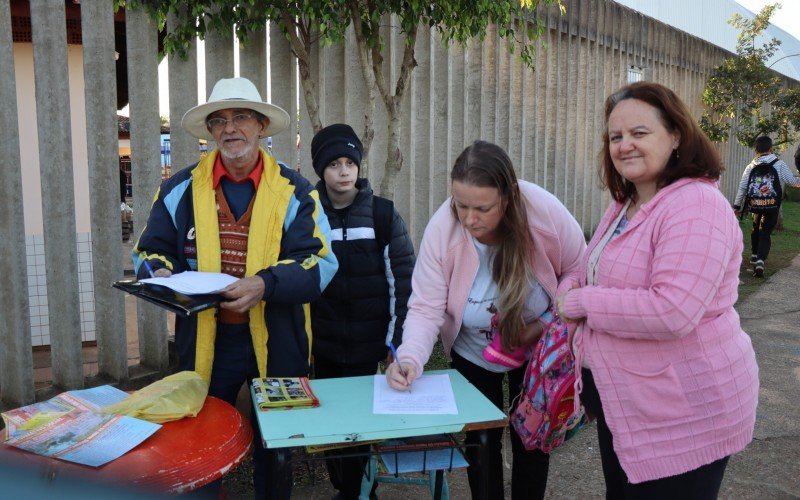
[[448, 263], [677, 376]]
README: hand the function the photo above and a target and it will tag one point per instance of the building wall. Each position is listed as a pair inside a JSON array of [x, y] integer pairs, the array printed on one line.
[[709, 19], [32, 171]]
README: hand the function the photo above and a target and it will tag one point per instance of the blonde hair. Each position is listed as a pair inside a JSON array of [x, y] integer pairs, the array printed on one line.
[[484, 164]]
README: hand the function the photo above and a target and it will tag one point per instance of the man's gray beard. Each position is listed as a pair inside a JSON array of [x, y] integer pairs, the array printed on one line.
[[235, 156]]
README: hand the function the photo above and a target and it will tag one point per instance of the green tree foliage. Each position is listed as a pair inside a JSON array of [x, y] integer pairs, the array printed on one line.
[[744, 97], [306, 23]]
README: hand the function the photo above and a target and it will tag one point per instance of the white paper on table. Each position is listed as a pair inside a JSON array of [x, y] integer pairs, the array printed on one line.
[[194, 282], [429, 395]]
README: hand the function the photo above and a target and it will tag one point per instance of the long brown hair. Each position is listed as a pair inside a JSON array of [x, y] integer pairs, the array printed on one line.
[[484, 164], [695, 157]]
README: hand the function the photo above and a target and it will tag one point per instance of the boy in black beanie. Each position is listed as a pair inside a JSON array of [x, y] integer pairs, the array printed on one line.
[[364, 306]]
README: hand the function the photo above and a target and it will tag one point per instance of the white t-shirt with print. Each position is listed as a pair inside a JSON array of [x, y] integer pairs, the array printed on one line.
[[476, 329]]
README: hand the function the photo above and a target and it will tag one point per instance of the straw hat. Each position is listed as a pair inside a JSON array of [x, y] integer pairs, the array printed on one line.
[[234, 93]]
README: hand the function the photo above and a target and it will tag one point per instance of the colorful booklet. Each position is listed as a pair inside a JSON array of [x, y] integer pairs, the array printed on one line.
[[72, 427], [283, 393]]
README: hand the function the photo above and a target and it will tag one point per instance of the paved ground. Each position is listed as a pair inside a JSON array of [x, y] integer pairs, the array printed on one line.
[[768, 468]]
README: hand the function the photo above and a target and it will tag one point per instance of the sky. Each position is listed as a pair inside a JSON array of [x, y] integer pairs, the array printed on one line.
[[786, 18]]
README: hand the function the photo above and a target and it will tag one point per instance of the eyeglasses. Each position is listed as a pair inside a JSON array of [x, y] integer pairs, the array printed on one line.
[[239, 120]]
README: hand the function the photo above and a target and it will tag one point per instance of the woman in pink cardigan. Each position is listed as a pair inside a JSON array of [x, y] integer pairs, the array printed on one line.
[[490, 261], [667, 369]]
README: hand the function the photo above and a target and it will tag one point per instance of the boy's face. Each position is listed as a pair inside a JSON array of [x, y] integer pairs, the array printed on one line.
[[340, 175]]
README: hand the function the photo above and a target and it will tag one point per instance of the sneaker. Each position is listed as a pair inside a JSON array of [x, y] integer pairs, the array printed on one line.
[[753, 258], [758, 271]]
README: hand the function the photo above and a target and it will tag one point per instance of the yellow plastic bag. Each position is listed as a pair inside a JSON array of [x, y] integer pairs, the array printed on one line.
[[171, 398]]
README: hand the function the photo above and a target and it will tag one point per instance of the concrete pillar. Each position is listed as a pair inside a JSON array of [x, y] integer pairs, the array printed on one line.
[[594, 119], [582, 163], [219, 58], [488, 94], [184, 148], [457, 108], [16, 360], [420, 132], [550, 117], [102, 138], [473, 93], [527, 90], [253, 60], [568, 165], [142, 35], [331, 79], [355, 96], [518, 103], [283, 75], [602, 63], [253, 65], [440, 157], [58, 200], [502, 96], [219, 61], [538, 127], [557, 149]]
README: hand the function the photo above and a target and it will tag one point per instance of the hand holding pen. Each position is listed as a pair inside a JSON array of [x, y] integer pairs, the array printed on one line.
[[149, 269], [162, 272], [399, 376]]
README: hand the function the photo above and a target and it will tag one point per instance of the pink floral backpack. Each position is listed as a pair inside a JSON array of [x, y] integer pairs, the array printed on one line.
[[545, 416]]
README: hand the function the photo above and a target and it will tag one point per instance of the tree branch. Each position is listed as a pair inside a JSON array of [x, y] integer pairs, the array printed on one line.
[[408, 65], [301, 51]]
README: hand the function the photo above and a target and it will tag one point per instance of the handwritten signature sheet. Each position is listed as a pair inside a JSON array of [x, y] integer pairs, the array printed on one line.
[[194, 282], [429, 395]]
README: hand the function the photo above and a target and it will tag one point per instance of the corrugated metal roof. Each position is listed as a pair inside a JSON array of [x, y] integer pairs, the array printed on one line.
[[708, 19]]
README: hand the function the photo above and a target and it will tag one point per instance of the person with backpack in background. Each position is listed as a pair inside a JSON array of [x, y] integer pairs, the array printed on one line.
[[490, 261], [797, 159], [666, 368], [760, 192], [364, 306]]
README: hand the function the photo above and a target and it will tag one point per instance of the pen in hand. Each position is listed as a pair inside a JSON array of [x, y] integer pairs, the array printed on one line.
[[399, 366], [149, 269]]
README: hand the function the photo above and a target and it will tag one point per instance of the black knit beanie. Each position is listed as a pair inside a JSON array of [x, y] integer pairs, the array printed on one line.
[[332, 142]]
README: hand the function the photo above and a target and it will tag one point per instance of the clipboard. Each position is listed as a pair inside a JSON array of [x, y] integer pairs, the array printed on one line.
[[179, 303]]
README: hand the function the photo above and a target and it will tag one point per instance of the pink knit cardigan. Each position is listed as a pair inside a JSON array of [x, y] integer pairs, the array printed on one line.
[[677, 376], [448, 262]]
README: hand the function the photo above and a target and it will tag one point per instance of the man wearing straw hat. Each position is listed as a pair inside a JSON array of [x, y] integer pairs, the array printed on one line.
[[238, 211]]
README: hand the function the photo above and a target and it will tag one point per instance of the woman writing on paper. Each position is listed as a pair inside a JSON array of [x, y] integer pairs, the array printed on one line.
[[668, 371], [490, 261]]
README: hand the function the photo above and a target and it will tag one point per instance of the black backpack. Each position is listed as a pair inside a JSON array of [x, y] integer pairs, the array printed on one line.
[[382, 218], [764, 191], [797, 158]]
